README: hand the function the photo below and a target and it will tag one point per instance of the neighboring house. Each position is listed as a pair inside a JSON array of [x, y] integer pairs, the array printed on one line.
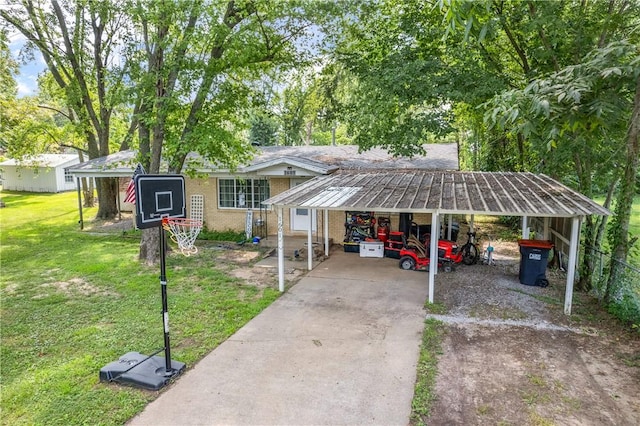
[[41, 173], [229, 195]]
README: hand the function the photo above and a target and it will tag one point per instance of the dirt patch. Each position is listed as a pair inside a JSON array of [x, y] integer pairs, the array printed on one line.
[[75, 286], [522, 376], [116, 225], [511, 357], [265, 277], [238, 256]]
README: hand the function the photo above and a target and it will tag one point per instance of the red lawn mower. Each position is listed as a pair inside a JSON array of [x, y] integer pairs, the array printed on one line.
[[414, 254]]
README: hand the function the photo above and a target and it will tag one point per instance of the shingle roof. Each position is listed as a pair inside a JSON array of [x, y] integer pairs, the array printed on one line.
[[319, 159], [42, 160], [510, 194]]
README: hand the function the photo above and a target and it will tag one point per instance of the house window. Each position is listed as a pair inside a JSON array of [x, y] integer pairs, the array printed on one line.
[[68, 177], [242, 193]]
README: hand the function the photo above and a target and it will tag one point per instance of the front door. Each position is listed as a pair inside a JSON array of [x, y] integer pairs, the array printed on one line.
[[300, 216]]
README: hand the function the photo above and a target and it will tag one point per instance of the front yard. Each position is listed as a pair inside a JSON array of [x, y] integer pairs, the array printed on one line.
[[75, 301]]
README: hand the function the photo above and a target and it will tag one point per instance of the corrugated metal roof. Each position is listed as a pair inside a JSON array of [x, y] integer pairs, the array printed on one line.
[[492, 193]]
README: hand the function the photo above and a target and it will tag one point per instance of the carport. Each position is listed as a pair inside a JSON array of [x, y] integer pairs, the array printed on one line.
[[439, 193]]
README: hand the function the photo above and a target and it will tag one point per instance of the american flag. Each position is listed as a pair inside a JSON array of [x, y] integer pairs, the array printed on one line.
[[130, 196]]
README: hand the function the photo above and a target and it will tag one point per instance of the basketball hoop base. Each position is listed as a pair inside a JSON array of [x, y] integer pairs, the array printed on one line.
[[138, 370]]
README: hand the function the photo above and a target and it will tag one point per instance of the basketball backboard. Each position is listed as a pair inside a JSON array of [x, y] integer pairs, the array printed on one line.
[[158, 196]]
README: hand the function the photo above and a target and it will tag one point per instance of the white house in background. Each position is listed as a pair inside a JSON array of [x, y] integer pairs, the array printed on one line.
[[40, 173]]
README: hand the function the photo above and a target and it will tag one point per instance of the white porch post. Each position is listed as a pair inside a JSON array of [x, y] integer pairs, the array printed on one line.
[[309, 243], [525, 228], [325, 223], [280, 252], [571, 269], [471, 228], [433, 254]]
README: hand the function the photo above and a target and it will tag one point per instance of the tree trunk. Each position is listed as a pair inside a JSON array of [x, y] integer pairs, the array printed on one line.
[[88, 192], [620, 238], [588, 265], [107, 193], [150, 246]]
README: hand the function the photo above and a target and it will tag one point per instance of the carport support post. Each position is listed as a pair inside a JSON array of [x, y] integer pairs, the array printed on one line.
[[309, 241], [81, 221], [449, 218], [433, 250], [571, 269], [325, 224], [525, 228], [280, 252]]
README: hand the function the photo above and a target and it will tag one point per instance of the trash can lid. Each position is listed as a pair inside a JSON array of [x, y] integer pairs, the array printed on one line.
[[541, 244]]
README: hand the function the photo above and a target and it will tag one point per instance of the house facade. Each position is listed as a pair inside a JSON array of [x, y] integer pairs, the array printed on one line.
[[41, 173], [229, 196]]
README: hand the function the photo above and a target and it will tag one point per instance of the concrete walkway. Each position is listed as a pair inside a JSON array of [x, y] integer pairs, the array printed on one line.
[[339, 348]]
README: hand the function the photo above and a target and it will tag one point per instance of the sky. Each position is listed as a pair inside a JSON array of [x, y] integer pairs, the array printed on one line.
[[28, 78]]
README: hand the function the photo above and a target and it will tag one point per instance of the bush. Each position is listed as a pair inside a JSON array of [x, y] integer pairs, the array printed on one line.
[[228, 235]]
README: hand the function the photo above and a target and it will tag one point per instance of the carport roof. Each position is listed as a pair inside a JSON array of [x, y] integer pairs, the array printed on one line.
[[490, 193]]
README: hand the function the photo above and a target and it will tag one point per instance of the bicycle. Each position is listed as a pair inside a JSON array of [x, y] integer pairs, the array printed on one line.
[[469, 250]]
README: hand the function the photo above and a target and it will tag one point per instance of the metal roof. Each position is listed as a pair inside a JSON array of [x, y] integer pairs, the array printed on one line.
[[118, 164], [491, 193]]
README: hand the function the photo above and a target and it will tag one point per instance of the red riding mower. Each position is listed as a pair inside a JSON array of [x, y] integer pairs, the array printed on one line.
[[415, 255]]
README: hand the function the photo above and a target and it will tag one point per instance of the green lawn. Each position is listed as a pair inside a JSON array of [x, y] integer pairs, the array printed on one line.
[[72, 301]]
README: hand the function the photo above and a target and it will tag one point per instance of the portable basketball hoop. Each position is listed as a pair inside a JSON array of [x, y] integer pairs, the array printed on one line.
[[183, 232]]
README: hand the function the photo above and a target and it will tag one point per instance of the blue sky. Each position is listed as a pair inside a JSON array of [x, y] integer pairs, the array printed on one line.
[[28, 78]]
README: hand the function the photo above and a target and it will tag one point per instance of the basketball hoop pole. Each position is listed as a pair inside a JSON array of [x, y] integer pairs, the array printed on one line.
[[165, 309]]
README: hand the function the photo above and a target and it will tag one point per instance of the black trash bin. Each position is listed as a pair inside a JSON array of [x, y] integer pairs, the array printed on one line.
[[533, 262]]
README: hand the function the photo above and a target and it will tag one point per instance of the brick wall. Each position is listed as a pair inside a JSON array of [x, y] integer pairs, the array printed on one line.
[[225, 219]]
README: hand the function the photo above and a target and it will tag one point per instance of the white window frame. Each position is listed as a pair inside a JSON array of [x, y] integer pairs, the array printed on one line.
[[68, 177], [246, 190]]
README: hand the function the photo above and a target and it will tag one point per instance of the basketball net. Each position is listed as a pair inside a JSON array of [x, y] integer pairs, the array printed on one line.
[[184, 232]]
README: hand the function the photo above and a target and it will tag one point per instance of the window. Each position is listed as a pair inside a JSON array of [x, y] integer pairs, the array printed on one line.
[[242, 193], [68, 178]]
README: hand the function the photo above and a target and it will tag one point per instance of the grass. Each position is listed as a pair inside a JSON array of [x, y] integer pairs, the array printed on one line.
[[424, 392], [72, 302]]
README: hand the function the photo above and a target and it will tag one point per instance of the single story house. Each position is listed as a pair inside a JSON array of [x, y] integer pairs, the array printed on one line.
[[40, 173], [227, 195], [317, 190]]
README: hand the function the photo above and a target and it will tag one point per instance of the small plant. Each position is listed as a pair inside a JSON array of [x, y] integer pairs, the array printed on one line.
[[484, 409], [424, 393], [436, 308]]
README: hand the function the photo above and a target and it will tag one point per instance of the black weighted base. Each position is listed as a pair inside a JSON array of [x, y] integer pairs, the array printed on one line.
[[138, 370]]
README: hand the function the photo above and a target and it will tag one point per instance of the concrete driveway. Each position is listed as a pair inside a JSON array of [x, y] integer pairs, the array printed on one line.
[[340, 348]]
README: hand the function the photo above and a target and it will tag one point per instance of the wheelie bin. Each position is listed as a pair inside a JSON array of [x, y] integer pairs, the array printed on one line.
[[534, 255]]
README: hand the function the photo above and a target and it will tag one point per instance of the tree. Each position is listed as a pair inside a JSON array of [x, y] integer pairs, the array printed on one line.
[[193, 76], [8, 86], [263, 129], [77, 43], [181, 68], [588, 114]]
